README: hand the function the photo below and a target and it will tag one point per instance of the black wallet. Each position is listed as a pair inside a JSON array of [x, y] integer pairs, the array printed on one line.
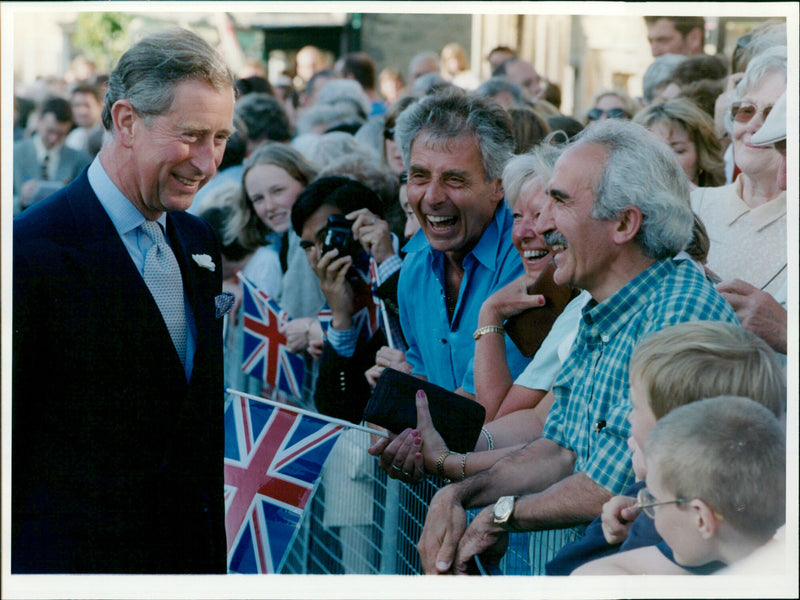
[[393, 406]]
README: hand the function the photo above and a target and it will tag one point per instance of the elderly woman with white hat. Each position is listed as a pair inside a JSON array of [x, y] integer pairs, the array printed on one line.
[[746, 220]]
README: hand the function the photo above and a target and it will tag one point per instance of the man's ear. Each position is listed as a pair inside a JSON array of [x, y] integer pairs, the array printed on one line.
[[705, 518], [628, 224], [497, 191], [123, 117]]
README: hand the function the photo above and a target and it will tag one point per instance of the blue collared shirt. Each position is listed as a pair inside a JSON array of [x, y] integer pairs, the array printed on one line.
[[589, 413], [440, 348], [127, 220]]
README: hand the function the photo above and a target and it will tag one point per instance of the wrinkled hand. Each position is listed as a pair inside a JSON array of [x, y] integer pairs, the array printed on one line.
[[481, 537], [400, 456], [617, 516], [757, 311], [373, 234], [445, 523], [332, 273], [387, 357], [509, 300]]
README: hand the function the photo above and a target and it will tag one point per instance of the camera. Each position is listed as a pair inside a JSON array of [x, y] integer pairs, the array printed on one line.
[[339, 235]]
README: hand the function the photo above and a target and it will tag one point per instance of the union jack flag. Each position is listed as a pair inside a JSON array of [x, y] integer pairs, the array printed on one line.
[[325, 316], [273, 460], [265, 354]]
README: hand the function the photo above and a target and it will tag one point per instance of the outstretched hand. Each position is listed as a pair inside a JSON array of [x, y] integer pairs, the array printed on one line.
[[400, 456]]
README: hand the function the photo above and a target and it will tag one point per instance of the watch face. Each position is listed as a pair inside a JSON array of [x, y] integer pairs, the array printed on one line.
[[503, 508]]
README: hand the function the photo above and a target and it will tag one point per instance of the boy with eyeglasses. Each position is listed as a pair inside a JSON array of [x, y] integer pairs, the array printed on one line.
[[716, 481], [671, 368]]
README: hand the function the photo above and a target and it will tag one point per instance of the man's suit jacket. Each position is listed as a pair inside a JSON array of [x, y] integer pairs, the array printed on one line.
[[117, 460], [26, 166]]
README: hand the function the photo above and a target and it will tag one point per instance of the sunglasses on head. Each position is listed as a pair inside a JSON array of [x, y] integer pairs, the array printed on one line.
[[613, 113], [743, 112]]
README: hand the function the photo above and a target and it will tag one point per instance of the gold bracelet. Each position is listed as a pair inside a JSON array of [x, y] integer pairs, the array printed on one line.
[[489, 438], [464, 466], [440, 463], [487, 329]]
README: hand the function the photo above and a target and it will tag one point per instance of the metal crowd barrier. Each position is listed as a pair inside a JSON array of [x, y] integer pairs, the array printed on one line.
[[360, 522]]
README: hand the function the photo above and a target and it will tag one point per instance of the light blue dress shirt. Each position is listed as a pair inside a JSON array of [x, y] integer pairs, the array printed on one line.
[[127, 220], [440, 348]]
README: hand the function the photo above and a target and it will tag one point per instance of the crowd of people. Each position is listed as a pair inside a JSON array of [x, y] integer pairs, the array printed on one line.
[[649, 413]]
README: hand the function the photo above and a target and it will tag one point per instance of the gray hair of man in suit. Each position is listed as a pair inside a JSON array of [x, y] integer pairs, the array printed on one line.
[[148, 72]]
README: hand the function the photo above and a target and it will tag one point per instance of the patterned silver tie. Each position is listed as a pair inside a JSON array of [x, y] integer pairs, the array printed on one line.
[[163, 277]]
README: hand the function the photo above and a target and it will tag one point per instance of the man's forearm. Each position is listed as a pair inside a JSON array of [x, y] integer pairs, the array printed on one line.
[[574, 500], [533, 468]]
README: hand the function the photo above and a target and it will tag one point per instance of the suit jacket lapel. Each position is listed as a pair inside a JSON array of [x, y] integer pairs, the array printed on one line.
[[108, 268]]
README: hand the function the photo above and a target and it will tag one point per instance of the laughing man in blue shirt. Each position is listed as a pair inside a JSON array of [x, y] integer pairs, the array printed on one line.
[[455, 146]]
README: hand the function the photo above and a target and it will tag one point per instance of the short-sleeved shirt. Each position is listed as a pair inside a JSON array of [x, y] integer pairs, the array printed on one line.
[[546, 363], [440, 348], [591, 403]]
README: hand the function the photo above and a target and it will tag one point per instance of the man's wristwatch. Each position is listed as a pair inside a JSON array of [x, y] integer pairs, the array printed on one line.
[[503, 509]]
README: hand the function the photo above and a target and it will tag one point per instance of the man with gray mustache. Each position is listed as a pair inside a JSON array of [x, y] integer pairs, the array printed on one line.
[[618, 216]]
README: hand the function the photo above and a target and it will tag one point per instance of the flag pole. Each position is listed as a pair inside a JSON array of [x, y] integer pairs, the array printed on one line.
[[386, 326], [308, 413]]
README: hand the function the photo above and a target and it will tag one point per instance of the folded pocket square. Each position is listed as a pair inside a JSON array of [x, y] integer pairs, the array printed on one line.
[[224, 304]]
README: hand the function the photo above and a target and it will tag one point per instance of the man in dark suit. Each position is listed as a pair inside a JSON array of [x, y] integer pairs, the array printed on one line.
[[117, 403], [43, 163]]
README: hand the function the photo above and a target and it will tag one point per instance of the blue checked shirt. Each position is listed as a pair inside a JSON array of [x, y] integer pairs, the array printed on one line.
[[440, 348], [589, 413]]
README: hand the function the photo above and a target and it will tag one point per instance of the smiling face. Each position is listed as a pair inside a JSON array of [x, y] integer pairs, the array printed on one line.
[[448, 193], [584, 247], [171, 156], [530, 245], [755, 161], [676, 136], [272, 192]]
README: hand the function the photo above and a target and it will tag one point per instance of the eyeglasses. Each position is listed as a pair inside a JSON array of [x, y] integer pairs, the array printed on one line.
[[388, 134], [645, 501], [743, 112], [613, 113]]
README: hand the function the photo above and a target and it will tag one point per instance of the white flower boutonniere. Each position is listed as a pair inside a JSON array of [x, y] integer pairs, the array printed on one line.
[[204, 260]]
